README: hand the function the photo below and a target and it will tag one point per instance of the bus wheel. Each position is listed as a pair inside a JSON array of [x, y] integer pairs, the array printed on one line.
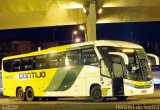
[[30, 94], [21, 94], [121, 98], [96, 94]]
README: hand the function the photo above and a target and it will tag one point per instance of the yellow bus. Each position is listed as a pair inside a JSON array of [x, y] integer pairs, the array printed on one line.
[[96, 69]]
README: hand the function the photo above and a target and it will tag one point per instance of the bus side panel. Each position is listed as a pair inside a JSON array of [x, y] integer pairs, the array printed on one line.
[[92, 75], [39, 85], [106, 87], [87, 76], [64, 82], [79, 87], [7, 84], [38, 80]]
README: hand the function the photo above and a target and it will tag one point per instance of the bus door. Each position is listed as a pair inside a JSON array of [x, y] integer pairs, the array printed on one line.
[[117, 63]]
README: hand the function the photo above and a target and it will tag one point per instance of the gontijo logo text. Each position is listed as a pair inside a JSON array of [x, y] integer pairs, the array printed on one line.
[[32, 75]]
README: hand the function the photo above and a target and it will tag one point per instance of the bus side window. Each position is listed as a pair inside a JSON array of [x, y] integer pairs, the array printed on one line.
[[71, 58], [16, 64], [54, 60], [28, 63], [41, 62], [89, 57], [62, 60], [7, 65]]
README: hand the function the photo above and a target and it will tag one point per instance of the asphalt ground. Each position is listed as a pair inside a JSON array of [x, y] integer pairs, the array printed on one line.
[[146, 102]]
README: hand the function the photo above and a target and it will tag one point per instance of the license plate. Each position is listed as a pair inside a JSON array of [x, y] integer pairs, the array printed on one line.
[[143, 91]]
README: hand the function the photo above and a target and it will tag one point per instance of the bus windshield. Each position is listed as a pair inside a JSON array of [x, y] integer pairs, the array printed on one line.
[[138, 68]]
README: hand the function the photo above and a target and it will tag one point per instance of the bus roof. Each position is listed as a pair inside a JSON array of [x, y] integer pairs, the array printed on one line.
[[112, 43]]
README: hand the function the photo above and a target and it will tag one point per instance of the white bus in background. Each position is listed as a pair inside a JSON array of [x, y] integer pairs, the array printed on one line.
[[154, 62]]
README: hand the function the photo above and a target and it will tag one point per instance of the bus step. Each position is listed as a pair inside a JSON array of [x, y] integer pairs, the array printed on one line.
[[119, 92]]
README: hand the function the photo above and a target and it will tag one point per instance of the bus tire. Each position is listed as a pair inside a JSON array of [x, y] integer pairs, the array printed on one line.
[[121, 98], [20, 94], [30, 94], [96, 94]]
